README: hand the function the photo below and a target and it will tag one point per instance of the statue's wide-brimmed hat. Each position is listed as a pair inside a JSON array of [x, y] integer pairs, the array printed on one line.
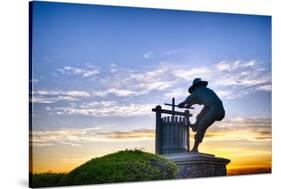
[[197, 83]]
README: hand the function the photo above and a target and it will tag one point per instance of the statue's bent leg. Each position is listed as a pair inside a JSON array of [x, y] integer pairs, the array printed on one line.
[[200, 116], [203, 125], [202, 113]]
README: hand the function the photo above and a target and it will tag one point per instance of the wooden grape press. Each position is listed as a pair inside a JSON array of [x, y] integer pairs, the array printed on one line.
[[172, 130]]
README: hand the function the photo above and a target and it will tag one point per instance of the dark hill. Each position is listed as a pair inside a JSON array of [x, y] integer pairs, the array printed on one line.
[[122, 166]]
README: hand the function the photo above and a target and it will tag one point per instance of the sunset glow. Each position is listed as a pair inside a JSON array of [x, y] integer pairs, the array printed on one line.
[[246, 142]]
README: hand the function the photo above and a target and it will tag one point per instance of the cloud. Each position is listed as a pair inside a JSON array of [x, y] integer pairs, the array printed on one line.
[[245, 122], [52, 96], [230, 79], [237, 129], [267, 87], [251, 129], [131, 83], [228, 75], [174, 51], [72, 93], [148, 55], [77, 137], [242, 74], [157, 79], [116, 92], [134, 134], [104, 109], [224, 94], [156, 85], [189, 74], [177, 93], [88, 71], [235, 65]]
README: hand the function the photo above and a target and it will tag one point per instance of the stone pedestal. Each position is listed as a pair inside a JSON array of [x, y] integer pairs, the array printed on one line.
[[193, 165]]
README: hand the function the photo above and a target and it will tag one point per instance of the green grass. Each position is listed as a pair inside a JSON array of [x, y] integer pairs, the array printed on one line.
[[122, 166], [46, 179]]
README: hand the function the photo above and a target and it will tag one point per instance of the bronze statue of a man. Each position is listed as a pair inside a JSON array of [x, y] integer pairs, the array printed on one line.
[[213, 109]]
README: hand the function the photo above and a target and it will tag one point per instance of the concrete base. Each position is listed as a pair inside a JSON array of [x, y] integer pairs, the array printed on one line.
[[193, 165]]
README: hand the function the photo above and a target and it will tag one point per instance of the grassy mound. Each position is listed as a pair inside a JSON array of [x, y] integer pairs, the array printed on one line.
[[46, 179], [123, 166]]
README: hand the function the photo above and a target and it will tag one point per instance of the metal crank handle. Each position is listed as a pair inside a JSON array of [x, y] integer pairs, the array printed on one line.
[[177, 106]]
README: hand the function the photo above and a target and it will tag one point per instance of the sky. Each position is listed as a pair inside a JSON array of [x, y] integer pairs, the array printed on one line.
[[97, 71]]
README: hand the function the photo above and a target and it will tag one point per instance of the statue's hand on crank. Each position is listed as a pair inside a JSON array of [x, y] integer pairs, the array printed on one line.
[[184, 105], [181, 105]]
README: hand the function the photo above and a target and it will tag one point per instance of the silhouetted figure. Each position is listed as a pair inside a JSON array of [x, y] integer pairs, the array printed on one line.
[[213, 109]]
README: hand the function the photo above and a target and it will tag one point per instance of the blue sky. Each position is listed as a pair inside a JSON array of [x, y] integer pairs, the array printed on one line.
[[105, 68]]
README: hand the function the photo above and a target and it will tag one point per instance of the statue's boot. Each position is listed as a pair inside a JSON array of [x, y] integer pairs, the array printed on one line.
[[194, 150], [195, 146]]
